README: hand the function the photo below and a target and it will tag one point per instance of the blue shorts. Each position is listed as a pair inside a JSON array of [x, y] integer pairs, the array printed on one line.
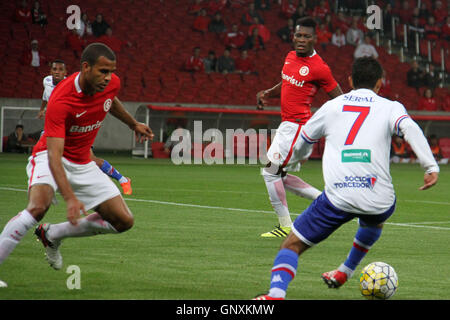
[[322, 218]]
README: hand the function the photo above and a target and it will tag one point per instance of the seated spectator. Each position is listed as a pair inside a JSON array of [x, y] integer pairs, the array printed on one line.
[[354, 35], [75, 42], [215, 6], [439, 13], [194, 8], [386, 89], [286, 33], [99, 26], [201, 22], [405, 12], [247, 17], [254, 41], [210, 62], [194, 63], [23, 13], [299, 13], [263, 31], [17, 141], [414, 27], [415, 76], [328, 22], [234, 38], [33, 57], [217, 25], [431, 78], [85, 26], [244, 64], [323, 36], [338, 38], [321, 10], [341, 21], [399, 150], [365, 49], [262, 4], [387, 19], [427, 102], [424, 13], [432, 30], [225, 63], [113, 42], [433, 141], [288, 8], [38, 16], [446, 29]]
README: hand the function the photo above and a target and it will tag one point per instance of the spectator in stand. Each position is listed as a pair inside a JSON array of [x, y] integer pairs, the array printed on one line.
[[113, 42], [201, 22], [338, 38], [16, 141], [431, 78], [244, 64], [433, 141], [299, 13], [210, 62], [328, 21], [247, 17], [365, 49], [33, 57], [215, 6], [415, 76], [432, 30], [320, 11], [85, 26], [354, 35], [405, 12], [341, 21], [446, 29], [286, 33], [254, 41], [225, 63], [38, 16], [194, 63], [424, 13], [263, 31], [235, 38], [413, 28], [194, 8], [262, 4], [75, 42], [427, 102], [323, 36], [217, 25], [288, 8], [387, 19], [99, 26], [439, 13], [23, 13], [385, 89], [399, 150]]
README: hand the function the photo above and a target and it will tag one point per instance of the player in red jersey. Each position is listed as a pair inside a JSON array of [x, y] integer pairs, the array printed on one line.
[[61, 160], [303, 74]]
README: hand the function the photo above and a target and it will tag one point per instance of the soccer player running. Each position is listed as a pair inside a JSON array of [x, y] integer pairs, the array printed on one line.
[[358, 127], [58, 72], [303, 74], [61, 160]]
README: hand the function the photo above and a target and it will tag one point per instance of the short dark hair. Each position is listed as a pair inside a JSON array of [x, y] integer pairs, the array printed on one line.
[[96, 50], [19, 126], [366, 71], [307, 22], [58, 61]]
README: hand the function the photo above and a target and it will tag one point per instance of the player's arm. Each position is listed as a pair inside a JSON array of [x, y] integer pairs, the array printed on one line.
[[75, 207], [336, 92], [41, 113], [416, 139], [263, 95], [143, 132]]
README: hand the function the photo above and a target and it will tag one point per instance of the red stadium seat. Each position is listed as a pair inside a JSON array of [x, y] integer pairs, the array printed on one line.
[[444, 144]]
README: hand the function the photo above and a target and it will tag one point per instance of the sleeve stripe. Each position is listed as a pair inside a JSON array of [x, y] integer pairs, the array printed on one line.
[[397, 123], [308, 139]]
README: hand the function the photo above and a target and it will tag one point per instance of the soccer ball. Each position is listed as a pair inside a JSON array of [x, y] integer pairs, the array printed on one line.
[[378, 280]]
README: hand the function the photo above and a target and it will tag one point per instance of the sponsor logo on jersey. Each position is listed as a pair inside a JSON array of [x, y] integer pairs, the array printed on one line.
[[359, 182], [303, 71], [292, 80], [356, 155], [88, 128], [107, 105]]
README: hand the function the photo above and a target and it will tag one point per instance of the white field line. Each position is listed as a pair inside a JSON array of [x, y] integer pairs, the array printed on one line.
[[412, 224]]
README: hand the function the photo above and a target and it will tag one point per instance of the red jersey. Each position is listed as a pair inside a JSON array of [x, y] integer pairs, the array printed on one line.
[[301, 79], [76, 117]]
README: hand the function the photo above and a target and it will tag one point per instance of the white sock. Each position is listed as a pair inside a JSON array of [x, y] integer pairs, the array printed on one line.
[[14, 231], [299, 187], [347, 270], [277, 293], [91, 225], [123, 180], [277, 196]]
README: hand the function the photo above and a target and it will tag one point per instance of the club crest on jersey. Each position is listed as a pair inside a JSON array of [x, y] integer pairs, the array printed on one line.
[[371, 179], [303, 71], [107, 105]]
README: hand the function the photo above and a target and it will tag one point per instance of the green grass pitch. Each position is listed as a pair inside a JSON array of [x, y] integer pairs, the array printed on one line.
[[196, 236]]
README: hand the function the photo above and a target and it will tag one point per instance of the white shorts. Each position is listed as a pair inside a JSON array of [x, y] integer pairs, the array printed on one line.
[[285, 150], [90, 185]]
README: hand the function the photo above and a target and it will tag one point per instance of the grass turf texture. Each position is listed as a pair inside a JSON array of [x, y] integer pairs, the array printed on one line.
[[210, 251]]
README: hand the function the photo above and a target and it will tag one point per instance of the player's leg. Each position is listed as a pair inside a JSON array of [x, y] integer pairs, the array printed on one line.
[[299, 187], [108, 169]]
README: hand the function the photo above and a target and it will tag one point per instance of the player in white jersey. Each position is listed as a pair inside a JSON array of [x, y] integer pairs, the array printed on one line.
[[58, 72], [358, 127]]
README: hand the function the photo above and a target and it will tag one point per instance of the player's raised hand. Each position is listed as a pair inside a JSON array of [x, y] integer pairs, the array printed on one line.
[[143, 132], [261, 100], [74, 210], [429, 179]]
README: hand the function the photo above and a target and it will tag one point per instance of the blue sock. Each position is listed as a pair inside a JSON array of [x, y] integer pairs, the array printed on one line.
[[110, 171], [365, 237], [283, 271]]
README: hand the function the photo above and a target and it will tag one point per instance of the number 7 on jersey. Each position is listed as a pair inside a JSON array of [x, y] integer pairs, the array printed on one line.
[[363, 112]]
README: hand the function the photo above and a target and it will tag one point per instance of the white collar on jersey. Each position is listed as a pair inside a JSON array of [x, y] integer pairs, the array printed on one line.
[[313, 54], [77, 84]]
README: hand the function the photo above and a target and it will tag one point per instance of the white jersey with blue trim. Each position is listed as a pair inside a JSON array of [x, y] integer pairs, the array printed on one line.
[[48, 87], [358, 127]]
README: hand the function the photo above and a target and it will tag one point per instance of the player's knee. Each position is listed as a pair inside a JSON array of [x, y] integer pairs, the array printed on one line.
[[37, 210], [125, 224]]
